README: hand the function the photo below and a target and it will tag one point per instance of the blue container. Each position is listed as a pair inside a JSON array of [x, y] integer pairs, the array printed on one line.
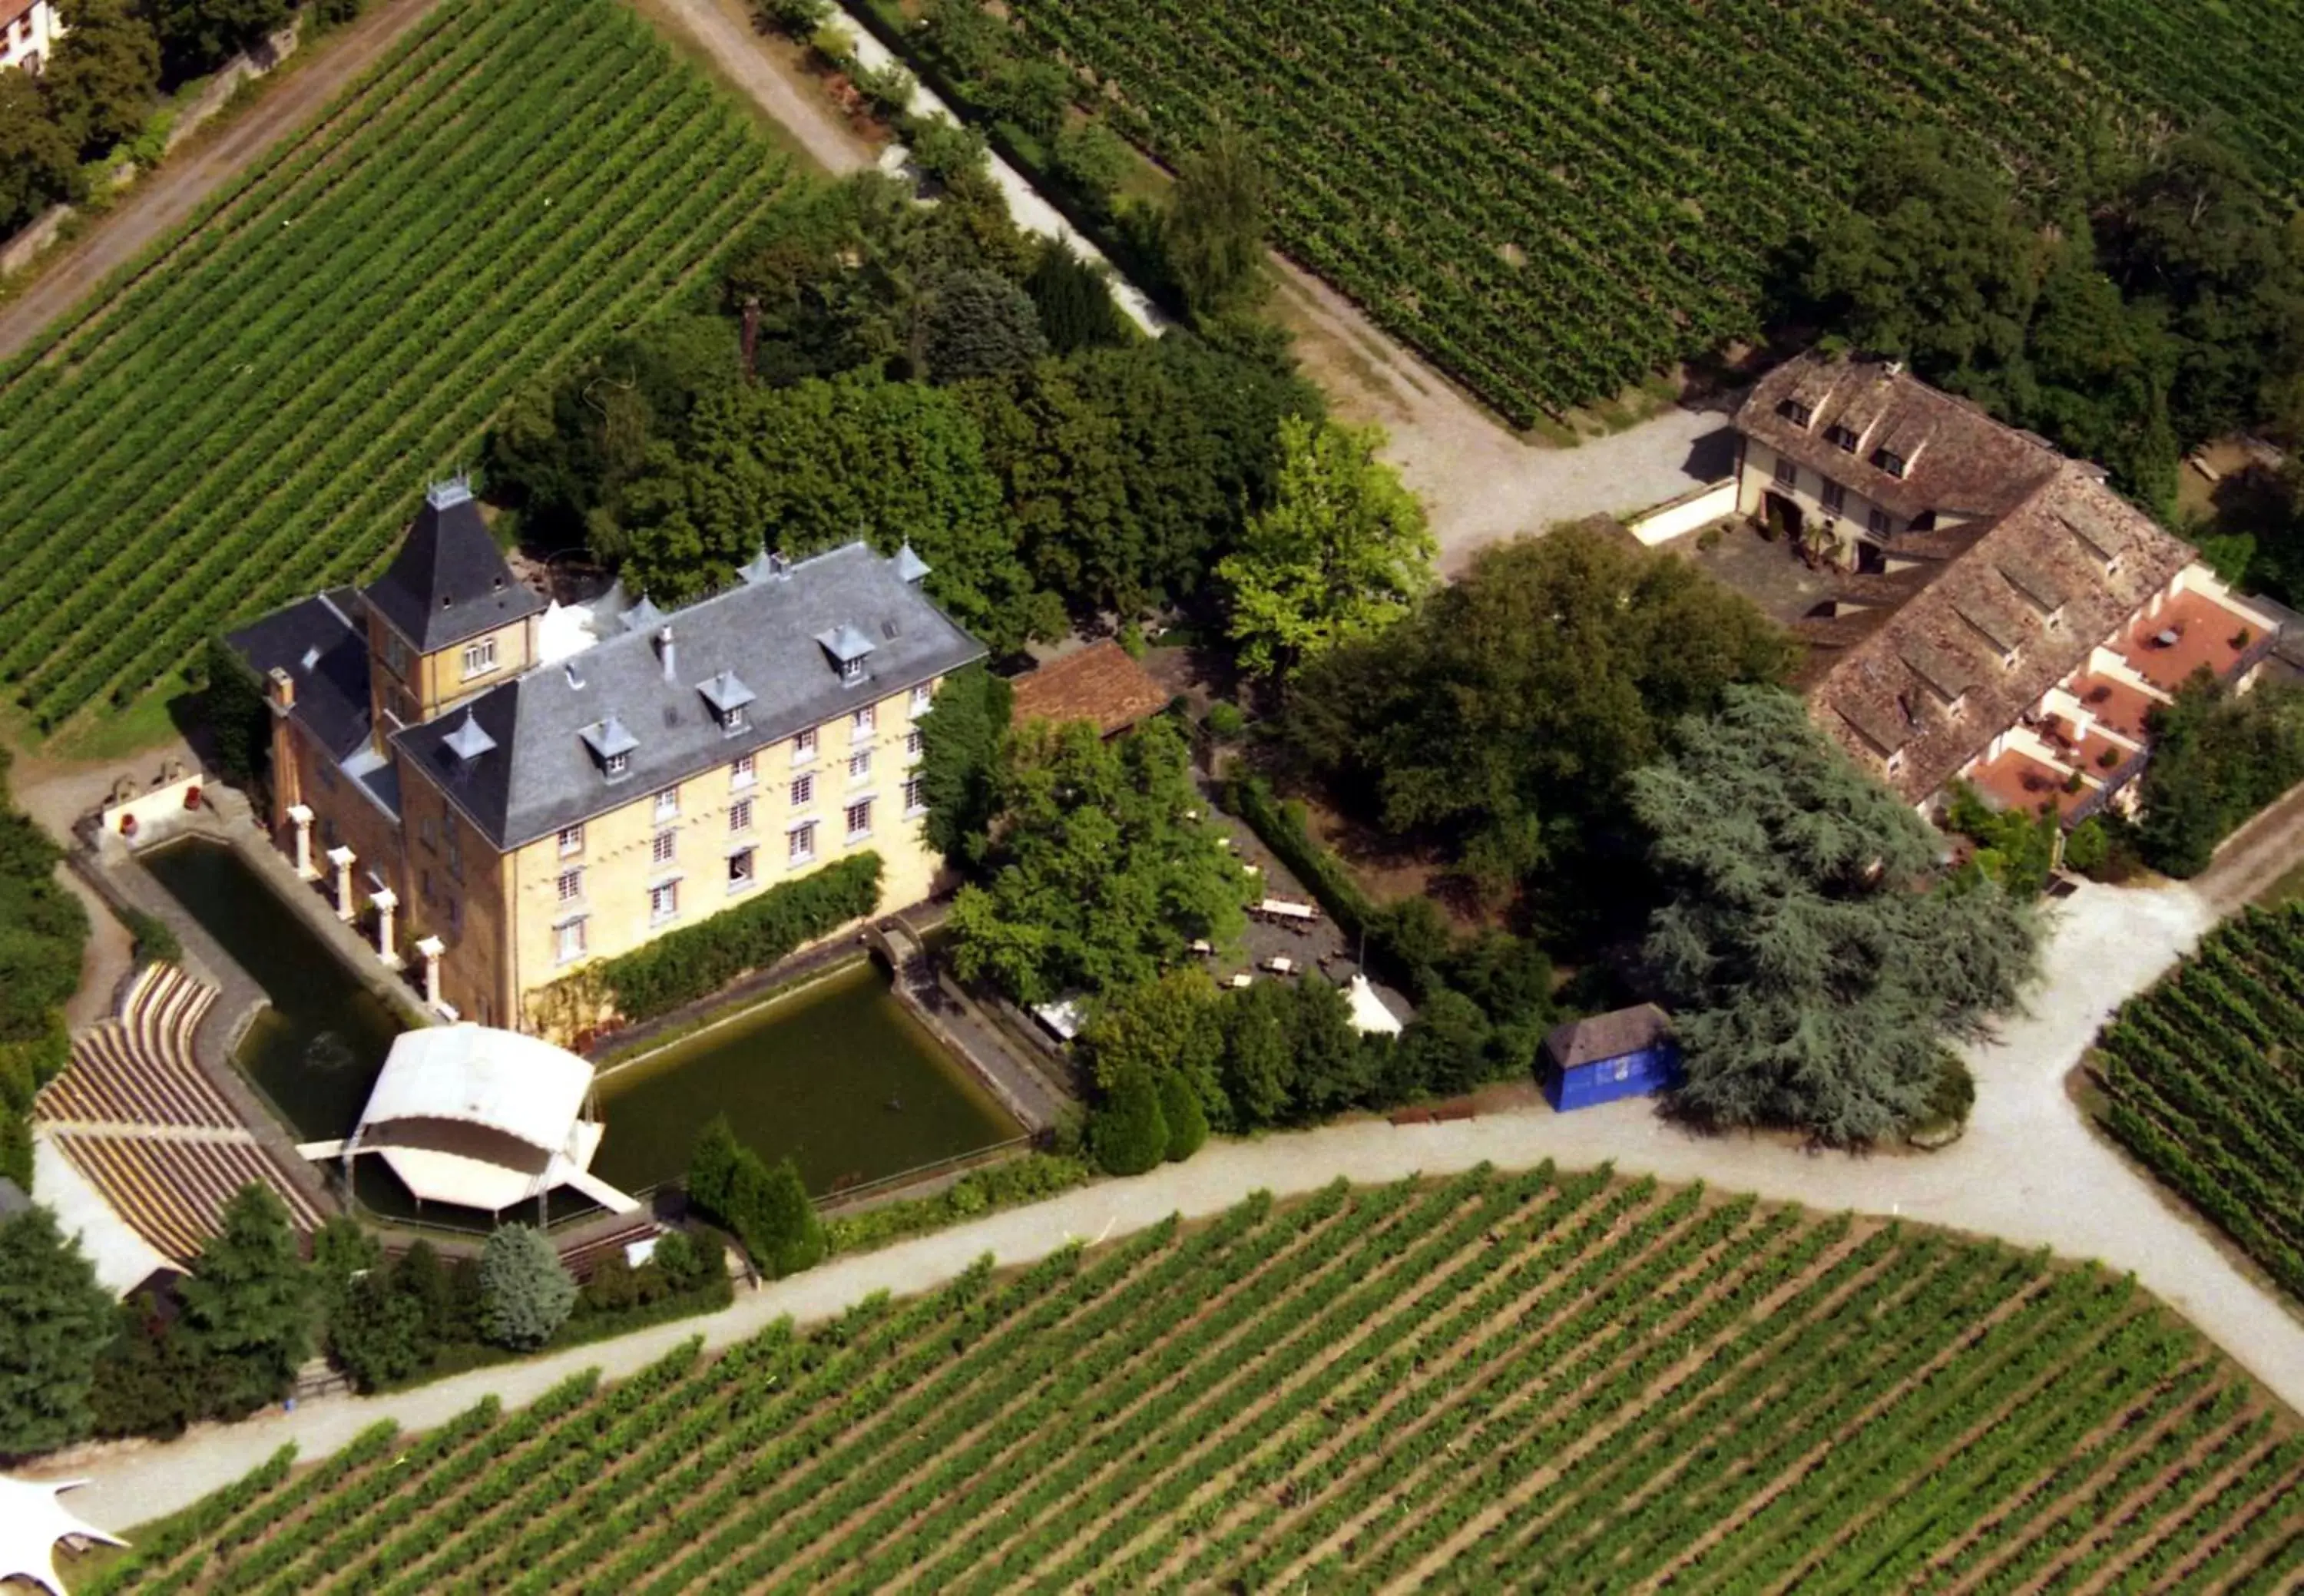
[[1627, 1053]]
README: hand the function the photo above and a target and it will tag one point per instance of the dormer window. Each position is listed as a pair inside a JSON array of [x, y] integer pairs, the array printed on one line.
[[1889, 461], [612, 744], [1800, 415], [1844, 437], [726, 695], [848, 648]]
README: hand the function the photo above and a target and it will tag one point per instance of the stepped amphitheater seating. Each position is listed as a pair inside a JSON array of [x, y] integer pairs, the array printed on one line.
[[138, 1119]]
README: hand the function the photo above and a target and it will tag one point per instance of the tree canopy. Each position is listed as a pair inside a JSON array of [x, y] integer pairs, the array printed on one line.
[[55, 1319], [1096, 877], [526, 1294], [248, 1305], [1213, 233], [1816, 962], [1336, 557], [960, 762], [1503, 714], [2216, 760]]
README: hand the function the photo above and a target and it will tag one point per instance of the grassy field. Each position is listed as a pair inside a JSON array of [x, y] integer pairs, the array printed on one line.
[[1493, 1384], [1554, 198], [2204, 1077], [257, 413]]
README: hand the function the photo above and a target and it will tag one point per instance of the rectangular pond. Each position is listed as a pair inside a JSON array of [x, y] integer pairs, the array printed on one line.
[[839, 1075]]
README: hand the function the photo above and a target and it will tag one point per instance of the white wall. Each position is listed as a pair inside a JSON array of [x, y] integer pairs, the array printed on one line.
[[32, 37], [1676, 518]]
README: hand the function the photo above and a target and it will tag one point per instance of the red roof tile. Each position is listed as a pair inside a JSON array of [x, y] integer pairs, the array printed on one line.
[[1099, 683]]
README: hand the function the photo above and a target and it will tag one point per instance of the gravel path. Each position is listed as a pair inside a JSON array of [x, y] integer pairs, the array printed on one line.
[[2028, 1170], [164, 200], [727, 33]]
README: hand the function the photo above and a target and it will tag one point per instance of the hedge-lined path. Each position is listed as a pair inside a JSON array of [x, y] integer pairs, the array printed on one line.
[[2029, 1170]]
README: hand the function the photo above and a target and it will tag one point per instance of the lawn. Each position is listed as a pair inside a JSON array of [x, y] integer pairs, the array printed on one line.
[[1555, 198], [1488, 1384], [257, 413], [2205, 1082]]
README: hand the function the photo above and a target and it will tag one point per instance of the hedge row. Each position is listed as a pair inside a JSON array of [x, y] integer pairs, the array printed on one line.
[[696, 961]]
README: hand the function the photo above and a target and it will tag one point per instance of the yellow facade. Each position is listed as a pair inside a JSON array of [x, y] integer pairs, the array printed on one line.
[[408, 687]]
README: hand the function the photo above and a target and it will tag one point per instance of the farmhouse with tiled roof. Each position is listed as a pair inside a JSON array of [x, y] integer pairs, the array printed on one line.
[[2009, 620]]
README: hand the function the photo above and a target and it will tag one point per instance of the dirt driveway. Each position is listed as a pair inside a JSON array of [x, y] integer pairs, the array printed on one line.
[[762, 69], [163, 201]]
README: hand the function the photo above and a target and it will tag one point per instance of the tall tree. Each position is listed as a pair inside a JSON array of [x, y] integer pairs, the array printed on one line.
[[1504, 713], [248, 1305], [979, 324], [37, 159], [1098, 876], [1337, 557], [196, 35], [103, 75], [960, 762], [1074, 301], [2216, 760], [54, 1319], [1816, 963], [1213, 235]]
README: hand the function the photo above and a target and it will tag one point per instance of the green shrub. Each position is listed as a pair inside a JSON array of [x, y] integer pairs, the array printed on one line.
[[1226, 722], [765, 1205], [2088, 847], [1187, 1120], [1955, 1092], [155, 943], [696, 961], [1128, 1130], [794, 18], [1028, 1179], [526, 1294]]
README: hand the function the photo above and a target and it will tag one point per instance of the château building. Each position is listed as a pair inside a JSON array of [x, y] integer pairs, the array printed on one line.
[[29, 31], [512, 787]]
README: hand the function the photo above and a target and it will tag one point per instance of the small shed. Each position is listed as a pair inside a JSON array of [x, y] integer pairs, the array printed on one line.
[[1628, 1052]]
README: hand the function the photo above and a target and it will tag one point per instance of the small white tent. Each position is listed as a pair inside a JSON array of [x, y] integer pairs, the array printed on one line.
[[32, 1522], [1368, 1011]]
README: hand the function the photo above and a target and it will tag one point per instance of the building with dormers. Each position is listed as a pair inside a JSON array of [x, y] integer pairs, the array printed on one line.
[[511, 787], [2004, 617]]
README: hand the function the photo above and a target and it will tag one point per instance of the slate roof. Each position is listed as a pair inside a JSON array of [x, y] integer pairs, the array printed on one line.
[[1603, 1037], [449, 581], [2033, 582], [1959, 461], [1101, 683], [319, 641], [542, 774]]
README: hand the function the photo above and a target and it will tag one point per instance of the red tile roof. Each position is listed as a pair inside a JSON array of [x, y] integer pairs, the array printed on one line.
[[1099, 683]]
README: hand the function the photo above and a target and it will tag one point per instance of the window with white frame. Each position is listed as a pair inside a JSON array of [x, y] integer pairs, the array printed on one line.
[[616, 764], [860, 765], [571, 885], [913, 742], [743, 773], [916, 796], [667, 804], [860, 819], [664, 846], [571, 841], [799, 843], [480, 658], [860, 723], [741, 869], [739, 815], [804, 746], [852, 671], [920, 697], [568, 941], [803, 790], [664, 902]]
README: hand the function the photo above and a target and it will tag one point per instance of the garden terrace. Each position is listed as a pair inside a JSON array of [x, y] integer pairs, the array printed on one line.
[[1482, 1384]]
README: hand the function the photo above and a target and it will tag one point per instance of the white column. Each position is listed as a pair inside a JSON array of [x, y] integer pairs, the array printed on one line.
[[431, 947], [342, 859], [386, 902], [302, 817]]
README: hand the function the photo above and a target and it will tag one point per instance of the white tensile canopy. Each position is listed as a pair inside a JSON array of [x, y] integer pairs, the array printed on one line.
[[1369, 1012], [32, 1522], [481, 1118]]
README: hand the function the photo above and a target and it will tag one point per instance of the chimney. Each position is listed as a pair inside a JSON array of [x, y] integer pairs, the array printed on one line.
[[663, 652], [283, 689], [752, 335]]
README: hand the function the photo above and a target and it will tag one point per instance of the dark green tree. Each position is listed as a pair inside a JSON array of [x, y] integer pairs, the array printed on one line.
[[1092, 161], [38, 164], [248, 1305], [102, 77], [379, 1338], [1505, 713], [342, 1251], [961, 738], [1074, 301], [1257, 1065], [1186, 1120], [1096, 879], [55, 1319], [980, 324], [239, 722], [788, 1236], [525, 1291], [2216, 760], [149, 1379], [1444, 1048], [1816, 962], [198, 35], [1127, 1131], [1213, 235]]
